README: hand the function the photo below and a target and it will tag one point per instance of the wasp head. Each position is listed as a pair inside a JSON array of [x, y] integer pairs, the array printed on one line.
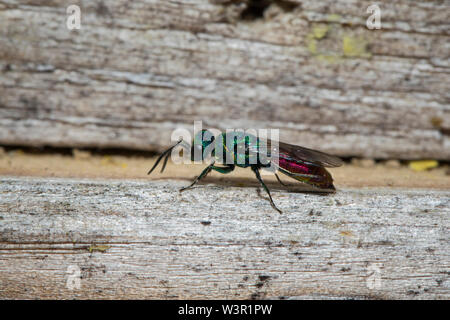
[[202, 145]]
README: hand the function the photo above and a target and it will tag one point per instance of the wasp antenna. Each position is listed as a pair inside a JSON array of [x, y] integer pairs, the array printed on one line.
[[184, 144], [157, 161], [162, 155], [165, 162]]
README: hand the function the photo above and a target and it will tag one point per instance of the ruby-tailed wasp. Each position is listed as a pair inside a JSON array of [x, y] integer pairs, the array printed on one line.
[[246, 150]]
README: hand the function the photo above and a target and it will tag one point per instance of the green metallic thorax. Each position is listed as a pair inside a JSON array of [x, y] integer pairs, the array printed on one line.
[[235, 149]]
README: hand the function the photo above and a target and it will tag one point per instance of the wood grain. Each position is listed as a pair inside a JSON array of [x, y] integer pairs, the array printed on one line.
[[145, 240], [138, 70]]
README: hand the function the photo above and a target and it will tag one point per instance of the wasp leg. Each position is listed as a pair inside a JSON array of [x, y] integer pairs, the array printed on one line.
[[281, 182], [202, 175], [258, 176], [207, 170]]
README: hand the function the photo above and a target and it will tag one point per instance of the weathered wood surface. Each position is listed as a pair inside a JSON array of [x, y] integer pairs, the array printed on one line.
[[143, 239], [139, 69]]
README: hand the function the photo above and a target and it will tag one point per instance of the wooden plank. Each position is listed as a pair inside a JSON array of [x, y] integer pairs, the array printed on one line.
[[143, 239], [138, 70]]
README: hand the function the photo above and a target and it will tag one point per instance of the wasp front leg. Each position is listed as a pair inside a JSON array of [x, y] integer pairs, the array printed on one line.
[[224, 170]]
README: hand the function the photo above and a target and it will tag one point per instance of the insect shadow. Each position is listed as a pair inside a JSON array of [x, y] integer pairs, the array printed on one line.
[[240, 182]]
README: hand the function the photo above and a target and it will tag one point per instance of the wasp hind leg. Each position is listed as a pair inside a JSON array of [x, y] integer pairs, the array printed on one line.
[[207, 170], [281, 182], [258, 176]]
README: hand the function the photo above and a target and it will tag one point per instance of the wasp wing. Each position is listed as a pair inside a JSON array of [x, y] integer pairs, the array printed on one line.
[[303, 164], [296, 153]]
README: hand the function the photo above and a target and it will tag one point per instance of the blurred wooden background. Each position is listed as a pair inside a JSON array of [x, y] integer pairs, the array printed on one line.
[[137, 70]]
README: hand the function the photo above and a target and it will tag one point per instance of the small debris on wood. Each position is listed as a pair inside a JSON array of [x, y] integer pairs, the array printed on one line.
[[263, 278], [93, 248], [423, 165]]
